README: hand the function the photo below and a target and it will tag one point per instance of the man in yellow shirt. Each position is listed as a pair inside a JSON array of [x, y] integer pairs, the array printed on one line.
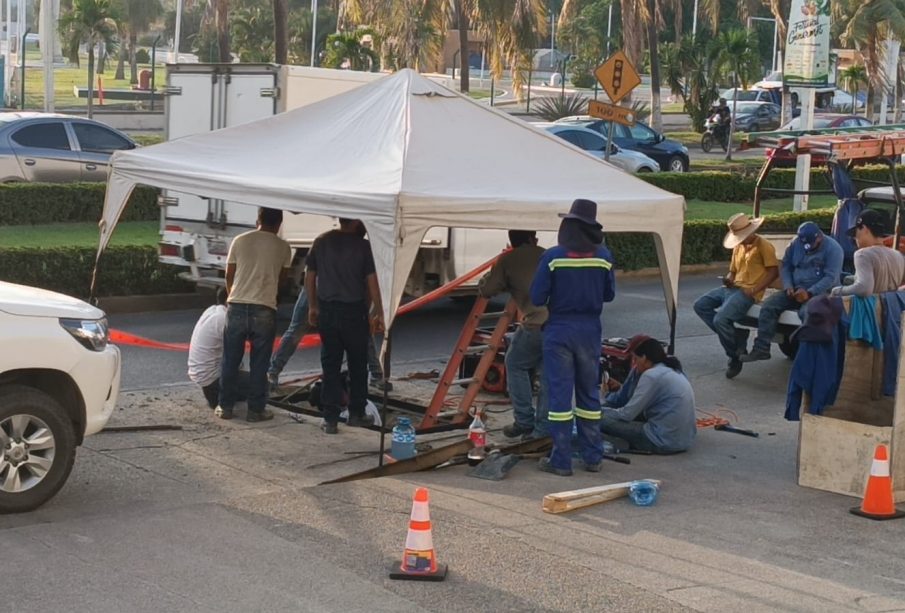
[[752, 270]]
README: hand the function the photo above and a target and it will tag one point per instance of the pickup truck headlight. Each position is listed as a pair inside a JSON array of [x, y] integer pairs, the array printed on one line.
[[93, 334]]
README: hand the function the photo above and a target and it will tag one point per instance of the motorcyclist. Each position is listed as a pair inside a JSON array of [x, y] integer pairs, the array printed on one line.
[[724, 116]]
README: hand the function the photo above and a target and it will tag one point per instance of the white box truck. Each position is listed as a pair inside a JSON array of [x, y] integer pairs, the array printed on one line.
[[196, 232]]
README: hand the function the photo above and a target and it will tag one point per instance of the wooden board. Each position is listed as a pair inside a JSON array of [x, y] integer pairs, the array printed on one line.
[[423, 461], [835, 455], [561, 502]]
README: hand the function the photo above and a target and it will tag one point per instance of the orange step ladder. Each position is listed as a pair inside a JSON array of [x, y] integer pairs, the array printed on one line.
[[436, 409]]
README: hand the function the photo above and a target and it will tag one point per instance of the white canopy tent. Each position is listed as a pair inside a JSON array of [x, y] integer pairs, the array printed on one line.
[[403, 154]]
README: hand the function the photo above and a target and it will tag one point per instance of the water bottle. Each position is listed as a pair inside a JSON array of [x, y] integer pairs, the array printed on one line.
[[644, 492], [403, 445], [477, 434]]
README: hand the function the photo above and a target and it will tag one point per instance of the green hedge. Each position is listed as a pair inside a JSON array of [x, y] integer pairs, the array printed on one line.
[[123, 271], [721, 186], [41, 203], [702, 241]]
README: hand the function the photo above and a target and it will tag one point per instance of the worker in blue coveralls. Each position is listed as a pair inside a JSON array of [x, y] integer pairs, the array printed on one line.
[[573, 280]]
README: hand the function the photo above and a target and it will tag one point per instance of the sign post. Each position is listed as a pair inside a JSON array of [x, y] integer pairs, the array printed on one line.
[[618, 78], [807, 66]]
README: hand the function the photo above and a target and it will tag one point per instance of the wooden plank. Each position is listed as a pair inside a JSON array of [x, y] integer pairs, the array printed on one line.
[[422, 461], [561, 502]]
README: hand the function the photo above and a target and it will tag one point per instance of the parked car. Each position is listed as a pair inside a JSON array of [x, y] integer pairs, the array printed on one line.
[[59, 382], [54, 148], [671, 155], [594, 143], [755, 94], [831, 120], [756, 116]]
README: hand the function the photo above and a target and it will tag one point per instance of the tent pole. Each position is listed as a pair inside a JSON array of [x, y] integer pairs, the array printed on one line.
[[671, 350], [387, 340]]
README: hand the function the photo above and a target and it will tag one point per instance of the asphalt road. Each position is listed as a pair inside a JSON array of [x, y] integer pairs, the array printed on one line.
[[426, 335], [228, 516]]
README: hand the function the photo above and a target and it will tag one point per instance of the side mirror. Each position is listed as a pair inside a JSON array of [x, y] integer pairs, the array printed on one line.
[[613, 149]]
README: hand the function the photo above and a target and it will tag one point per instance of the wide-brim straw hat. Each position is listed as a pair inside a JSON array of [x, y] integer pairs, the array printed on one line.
[[740, 228]]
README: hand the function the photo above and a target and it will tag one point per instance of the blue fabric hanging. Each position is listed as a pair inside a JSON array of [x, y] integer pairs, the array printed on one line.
[[864, 326], [846, 213], [893, 305]]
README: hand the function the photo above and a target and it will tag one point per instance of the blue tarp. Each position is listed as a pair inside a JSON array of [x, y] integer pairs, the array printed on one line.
[[846, 213]]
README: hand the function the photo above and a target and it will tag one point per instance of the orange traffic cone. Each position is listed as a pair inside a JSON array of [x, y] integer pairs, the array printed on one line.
[[878, 500], [419, 561]]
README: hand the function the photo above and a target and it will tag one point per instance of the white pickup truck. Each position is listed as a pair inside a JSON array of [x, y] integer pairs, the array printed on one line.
[[59, 382]]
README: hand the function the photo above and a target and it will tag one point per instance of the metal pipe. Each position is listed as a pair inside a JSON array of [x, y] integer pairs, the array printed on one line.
[[22, 75], [694, 20], [383, 409], [313, 29]]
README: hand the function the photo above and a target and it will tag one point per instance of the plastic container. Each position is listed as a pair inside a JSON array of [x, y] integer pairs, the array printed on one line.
[[477, 433], [403, 442], [644, 492]]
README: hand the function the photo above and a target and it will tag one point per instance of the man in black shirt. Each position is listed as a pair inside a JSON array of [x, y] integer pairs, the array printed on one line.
[[341, 282]]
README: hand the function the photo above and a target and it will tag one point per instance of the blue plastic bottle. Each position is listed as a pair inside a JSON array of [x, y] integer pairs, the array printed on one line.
[[644, 492], [403, 446]]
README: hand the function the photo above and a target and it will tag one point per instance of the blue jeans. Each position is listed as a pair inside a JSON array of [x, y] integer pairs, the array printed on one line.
[[720, 309], [525, 354], [257, 325], [572, 363], [344, 330], [298, 327], [770, 311], [632, 432]]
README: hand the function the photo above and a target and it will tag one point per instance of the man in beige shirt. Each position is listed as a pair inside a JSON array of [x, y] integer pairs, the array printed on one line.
[[513, 273], [257, 263]]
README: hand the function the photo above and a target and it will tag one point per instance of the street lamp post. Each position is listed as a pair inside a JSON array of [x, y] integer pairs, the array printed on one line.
[[154, 70], [177, 34], [694, 20], [773, 63]]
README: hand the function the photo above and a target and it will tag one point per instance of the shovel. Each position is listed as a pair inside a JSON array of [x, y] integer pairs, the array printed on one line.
[[495, 466]]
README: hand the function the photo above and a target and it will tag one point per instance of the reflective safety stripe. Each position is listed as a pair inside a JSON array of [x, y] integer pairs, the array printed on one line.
[[579, 263], [583, 414], [564, 416]]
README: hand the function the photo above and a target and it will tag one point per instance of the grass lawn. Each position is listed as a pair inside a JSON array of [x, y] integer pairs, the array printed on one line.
[[479, 94], [701, 209], [747, 164], [694, 138], [65, 78], [143, 233]]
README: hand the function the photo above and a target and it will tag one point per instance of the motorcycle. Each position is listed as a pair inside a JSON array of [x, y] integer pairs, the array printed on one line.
[[714, 132]]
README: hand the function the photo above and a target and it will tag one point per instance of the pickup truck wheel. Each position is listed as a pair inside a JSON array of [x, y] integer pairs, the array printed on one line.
[[789, 348], [37, 448]]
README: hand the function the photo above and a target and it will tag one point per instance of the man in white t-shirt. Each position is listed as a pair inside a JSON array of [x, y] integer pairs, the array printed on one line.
[[257, 263], [206, 353]]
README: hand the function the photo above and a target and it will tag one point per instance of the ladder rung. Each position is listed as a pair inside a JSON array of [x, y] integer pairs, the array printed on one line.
[[463, 381], [491, 315], [475, 349]]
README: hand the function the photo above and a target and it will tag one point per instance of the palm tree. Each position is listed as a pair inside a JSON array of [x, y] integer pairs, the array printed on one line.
[[510, 29], [88, 22], [652, 38], [737, 51], [221, 19], [870, 23], [852, 78], [414, 31], [347, 47], [135, 18]]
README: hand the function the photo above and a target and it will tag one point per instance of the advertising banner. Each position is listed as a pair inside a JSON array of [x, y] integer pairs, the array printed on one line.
[[807, 60]]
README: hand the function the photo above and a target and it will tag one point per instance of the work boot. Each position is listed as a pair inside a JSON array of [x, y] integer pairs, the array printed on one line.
[[223, 413], [755, 355], [515, 431], [545, 466], [595, 467], [360, 421], [329, 428], [381, 384], [734, 368], [256, 416]]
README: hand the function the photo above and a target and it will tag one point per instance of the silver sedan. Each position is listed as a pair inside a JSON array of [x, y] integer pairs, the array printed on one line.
[[594, 143], [52, 148]]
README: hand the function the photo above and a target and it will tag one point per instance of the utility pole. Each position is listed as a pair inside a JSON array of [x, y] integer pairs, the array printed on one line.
[[313, 29], [694, 20]]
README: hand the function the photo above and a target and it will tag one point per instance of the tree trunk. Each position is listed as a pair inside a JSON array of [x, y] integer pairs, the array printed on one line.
[[656, 120], [900, 92], [90, 80], [281, 31], [222, 21], [121, 63], [463, 25], [133, 60], [101, 58]]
